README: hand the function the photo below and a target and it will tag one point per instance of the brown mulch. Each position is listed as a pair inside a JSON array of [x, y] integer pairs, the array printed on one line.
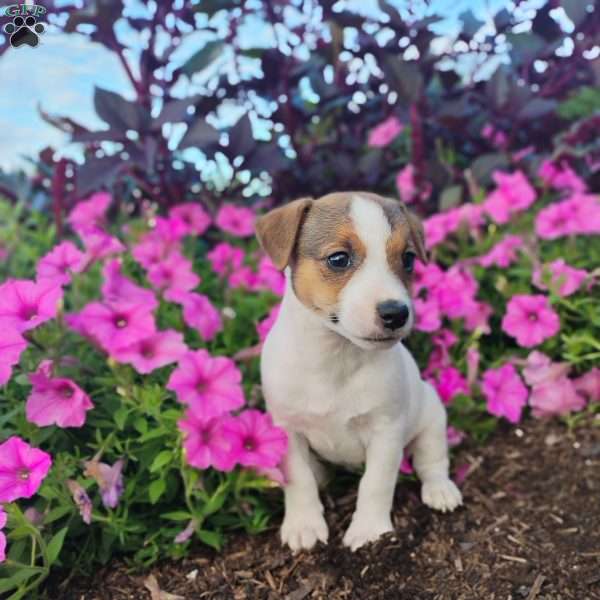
[[529, 530]]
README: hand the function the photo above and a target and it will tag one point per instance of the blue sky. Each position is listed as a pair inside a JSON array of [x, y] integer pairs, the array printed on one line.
[[61, 72]]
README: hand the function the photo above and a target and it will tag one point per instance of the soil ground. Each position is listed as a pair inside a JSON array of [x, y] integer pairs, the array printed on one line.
[[529, 530]]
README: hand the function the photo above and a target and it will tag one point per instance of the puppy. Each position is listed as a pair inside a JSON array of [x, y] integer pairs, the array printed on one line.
[[335, 373]]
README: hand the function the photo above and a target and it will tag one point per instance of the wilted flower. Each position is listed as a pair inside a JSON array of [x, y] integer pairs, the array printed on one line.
[[12, 344], [237, 220], [207, 443], [589, 384], [384, 133], [26, 304], [109, 479], [157, 350], [505, 392], [530, 319], [81, 499], [209, 385], [187, 533], [454, 436], [22, 469], [261, 443], [58, 265], [55, 400]]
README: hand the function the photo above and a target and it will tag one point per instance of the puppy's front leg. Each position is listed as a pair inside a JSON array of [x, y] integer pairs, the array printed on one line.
[[372, 518], [303, 523]]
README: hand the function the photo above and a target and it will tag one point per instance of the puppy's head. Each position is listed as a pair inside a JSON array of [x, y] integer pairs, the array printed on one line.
[[351, 257]]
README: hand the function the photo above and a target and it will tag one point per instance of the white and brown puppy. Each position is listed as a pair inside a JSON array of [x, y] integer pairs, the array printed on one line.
[[334, 371]]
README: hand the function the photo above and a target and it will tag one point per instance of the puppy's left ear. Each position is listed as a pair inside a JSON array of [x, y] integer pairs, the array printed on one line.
[[417, 233], [277, 231]]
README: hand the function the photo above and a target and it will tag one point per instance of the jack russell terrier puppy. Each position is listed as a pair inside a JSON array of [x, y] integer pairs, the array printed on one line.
[[335, 373]]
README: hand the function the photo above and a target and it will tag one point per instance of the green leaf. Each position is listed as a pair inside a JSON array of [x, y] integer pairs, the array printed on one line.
[[204, 57], [55, 545], [156, 489], [211, 538], [177, 515], [21, 575], [121, 416], [162, 458]]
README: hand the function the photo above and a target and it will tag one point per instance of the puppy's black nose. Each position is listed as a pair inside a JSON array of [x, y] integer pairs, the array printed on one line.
[[394, 314]]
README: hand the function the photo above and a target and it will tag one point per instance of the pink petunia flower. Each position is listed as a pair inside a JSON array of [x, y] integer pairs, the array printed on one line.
[[109, 480], [198, 313], [503, 254], [55, 400], [22, 469], [225, 258], [91, 213], [185, 534], [264, 326], [405, 182], [385, 133], [237, 220], [173, 273], [579, 214], [556, 397], [561, 177], [530, 320], [449, 383], [99, 244], [118, 288], [512, 195], [210, 385], [454, 436], [427, 314], [505, 392], [195, 218], [589, 384], [207, 443], [2, 536], [60, 263], [26, 304], [268, 277], [261, 444], [153, 249], [455, 292], [564, 279], [81, 499], [244, 277], [150, 353], [114, 325], [12, 345]]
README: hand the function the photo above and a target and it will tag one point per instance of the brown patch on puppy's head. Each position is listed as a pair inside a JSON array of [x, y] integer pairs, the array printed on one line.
[[277, 231], [327, 230]]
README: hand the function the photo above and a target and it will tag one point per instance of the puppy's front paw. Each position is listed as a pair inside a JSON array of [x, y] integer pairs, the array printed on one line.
[[301, 530], [363, 530], [441, 494]]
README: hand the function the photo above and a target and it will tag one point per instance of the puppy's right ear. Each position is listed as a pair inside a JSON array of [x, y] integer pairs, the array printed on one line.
[[277, 231]]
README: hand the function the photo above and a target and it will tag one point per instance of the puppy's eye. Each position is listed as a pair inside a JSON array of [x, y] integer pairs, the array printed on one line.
[[339, 261], [408, 261]]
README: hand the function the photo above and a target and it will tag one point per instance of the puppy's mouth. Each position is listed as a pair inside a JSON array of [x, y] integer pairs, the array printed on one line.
[[389, 338]]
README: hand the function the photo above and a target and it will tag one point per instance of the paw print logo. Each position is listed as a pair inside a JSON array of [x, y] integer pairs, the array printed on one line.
[[24, 31]]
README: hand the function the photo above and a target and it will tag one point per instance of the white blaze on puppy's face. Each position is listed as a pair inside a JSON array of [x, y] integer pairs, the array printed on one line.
[[375, 281]]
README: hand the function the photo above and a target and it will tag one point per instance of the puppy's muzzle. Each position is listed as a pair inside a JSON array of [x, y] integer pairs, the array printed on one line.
[[393, 314]]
